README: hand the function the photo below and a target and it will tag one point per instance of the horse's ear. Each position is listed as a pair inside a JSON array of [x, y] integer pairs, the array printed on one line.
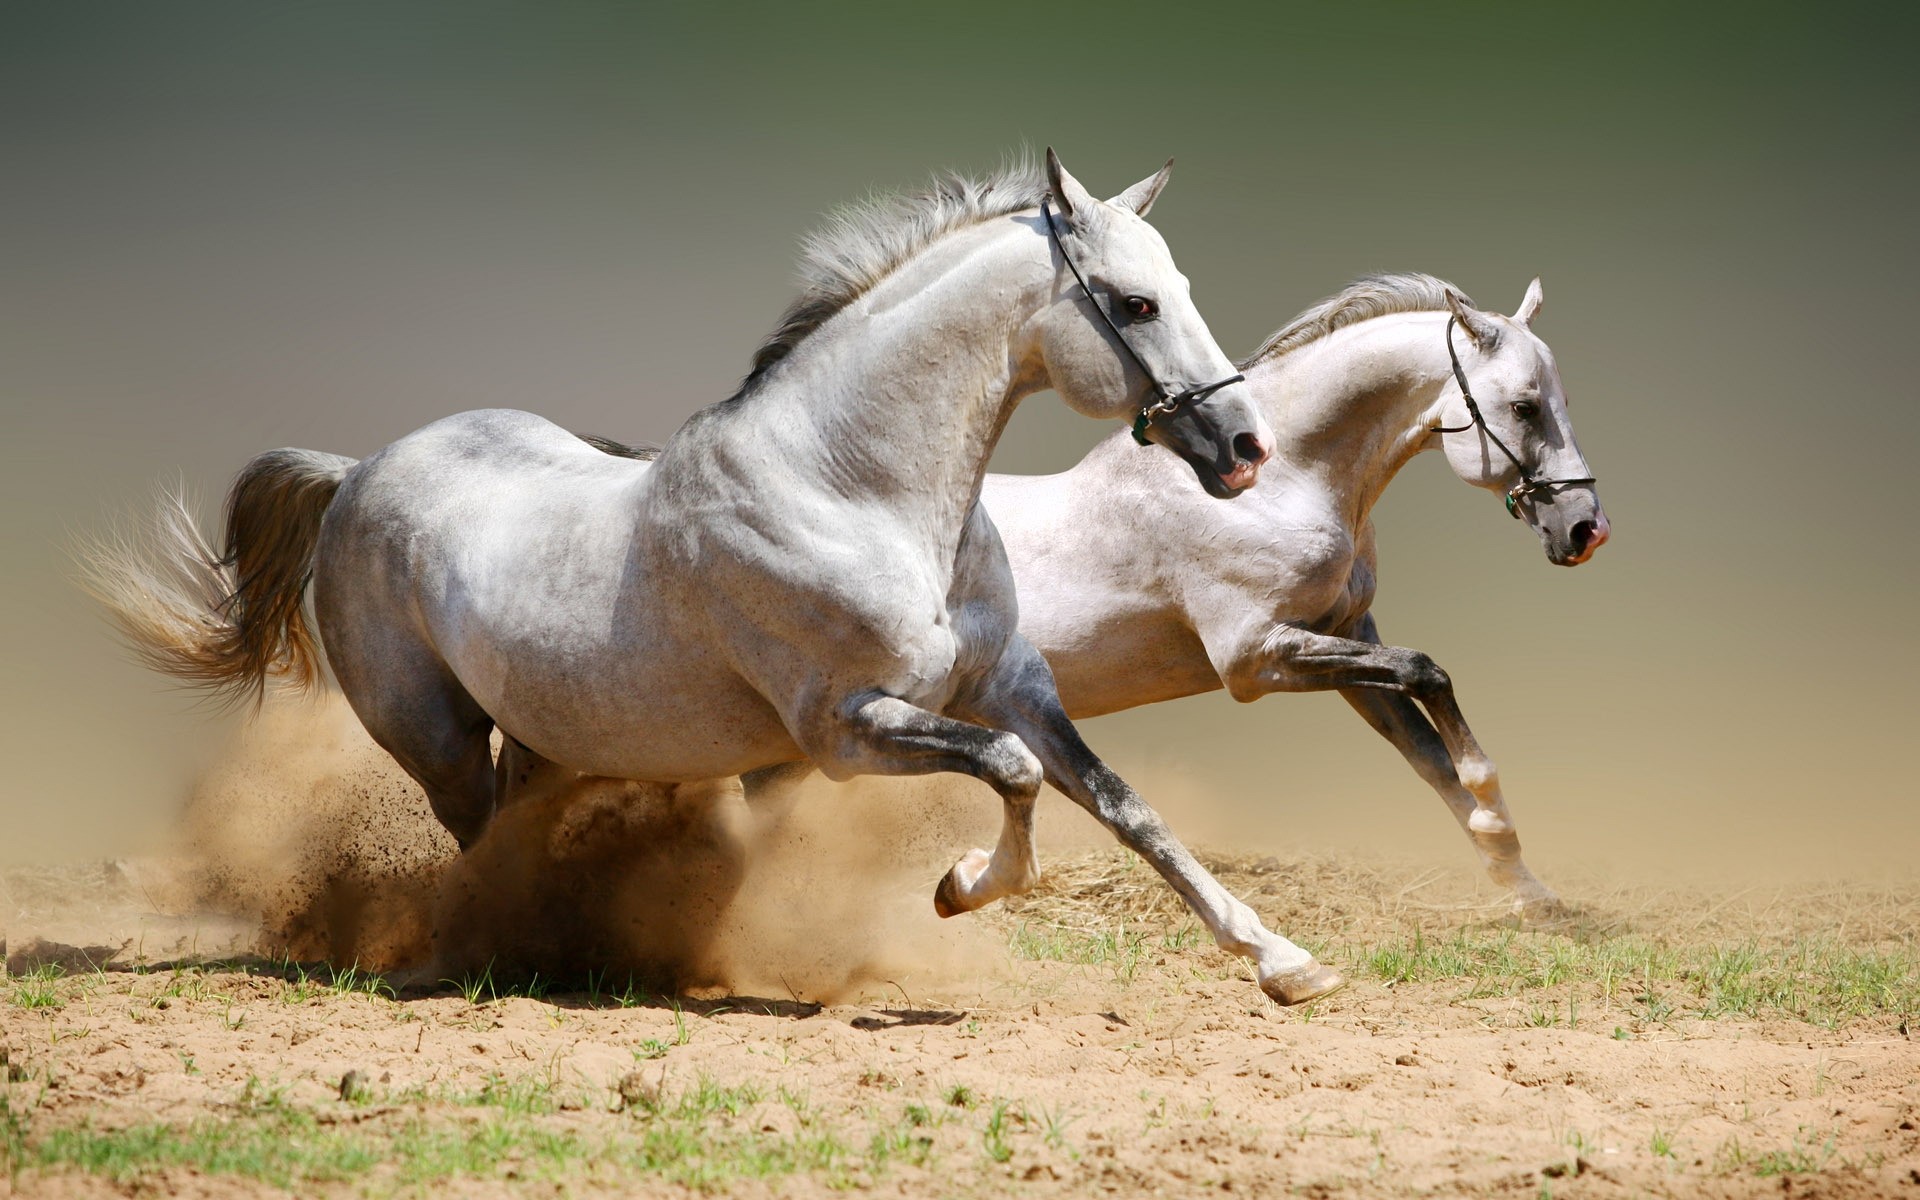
[[1530, 307], [1140, 197], [1483, 332], [1074, 200]]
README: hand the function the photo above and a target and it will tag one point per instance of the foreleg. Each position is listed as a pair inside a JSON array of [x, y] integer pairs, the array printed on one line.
[[884, 735], [1022, 698]]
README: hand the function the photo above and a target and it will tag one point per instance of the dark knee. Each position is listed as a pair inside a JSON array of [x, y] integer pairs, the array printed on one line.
[[1016, 769], [1424, 677]]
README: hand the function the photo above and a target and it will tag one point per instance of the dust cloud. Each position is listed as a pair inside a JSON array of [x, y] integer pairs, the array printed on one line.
[[312, 833]]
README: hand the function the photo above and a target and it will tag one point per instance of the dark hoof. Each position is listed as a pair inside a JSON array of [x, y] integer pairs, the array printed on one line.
[[1309, 982], [946, 897]]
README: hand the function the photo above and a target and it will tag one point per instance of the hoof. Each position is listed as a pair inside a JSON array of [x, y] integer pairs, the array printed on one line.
[[1304, 983], [946, 897], [950, 899]]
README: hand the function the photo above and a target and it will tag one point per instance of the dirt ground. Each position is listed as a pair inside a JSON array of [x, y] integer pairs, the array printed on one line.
[[171, 1026]]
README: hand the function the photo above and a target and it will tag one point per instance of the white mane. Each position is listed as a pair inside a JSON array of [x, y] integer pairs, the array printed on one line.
[[1364, 299], [862, 243]]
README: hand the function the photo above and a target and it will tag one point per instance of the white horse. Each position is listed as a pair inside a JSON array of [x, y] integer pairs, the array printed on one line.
[[1136, 589], [802, 572]]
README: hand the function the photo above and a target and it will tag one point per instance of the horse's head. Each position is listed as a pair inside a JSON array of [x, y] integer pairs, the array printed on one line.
[[1520, 440], [1144, 354]]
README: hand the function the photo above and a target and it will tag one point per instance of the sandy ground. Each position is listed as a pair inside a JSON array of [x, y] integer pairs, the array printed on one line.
[[753, 1007], [1157, 1068]]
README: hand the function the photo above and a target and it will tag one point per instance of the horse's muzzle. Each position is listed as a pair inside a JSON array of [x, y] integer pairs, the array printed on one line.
[[1586, 537]]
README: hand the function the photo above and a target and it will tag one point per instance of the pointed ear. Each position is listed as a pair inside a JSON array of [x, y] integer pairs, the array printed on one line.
[[1530, 307], [1074, 200], [1140, 197], [1483, 332]]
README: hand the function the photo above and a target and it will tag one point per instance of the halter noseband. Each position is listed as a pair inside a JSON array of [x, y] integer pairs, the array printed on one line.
[[1169, 401], [1529, 483]]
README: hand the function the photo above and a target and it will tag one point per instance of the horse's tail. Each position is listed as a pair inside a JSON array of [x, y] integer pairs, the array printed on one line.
[[225, 622]]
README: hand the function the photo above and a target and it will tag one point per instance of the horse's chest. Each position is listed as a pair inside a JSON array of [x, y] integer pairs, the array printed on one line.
[[1350, 602], [1308, 572]]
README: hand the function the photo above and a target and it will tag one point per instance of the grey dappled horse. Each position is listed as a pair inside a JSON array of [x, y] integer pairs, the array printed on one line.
[[802, 572]]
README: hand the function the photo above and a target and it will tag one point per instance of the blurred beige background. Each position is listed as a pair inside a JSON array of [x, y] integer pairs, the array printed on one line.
[[230, 227]]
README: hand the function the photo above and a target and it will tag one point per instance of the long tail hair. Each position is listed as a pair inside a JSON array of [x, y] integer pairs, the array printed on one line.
[[225, 622]]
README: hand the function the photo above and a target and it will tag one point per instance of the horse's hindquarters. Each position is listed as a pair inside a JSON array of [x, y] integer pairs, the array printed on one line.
[[486, 571]]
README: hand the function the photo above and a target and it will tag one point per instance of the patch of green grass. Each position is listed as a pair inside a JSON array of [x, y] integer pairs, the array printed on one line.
[[285, 1150], [905, 1142], [13, 1135], [695, 1139], [993, 1138], [524, 1096], [1661, 1143], [39, 989], [473, 987], [1809, 1154], [1122, 950], [1820, 981], [1054, 1123], [301, 986], [707, 1097], [261, 1096], [354, 981]]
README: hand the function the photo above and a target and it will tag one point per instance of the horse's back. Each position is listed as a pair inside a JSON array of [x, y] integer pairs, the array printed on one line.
[[513, 556]]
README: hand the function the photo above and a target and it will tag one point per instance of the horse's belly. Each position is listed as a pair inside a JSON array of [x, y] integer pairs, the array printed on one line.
[[1103, 667], [642, 696], [708, 733]]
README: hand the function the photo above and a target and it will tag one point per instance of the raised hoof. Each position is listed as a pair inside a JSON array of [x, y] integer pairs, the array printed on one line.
[[950, 899], [946, 897], [1309, 982]]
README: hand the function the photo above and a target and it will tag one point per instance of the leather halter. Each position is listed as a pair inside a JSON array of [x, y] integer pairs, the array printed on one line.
[[1169, 401], [1529, 483]]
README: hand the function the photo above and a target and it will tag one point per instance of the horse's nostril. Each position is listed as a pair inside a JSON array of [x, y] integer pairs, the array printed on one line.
[[1248, 448], [1580, 535]]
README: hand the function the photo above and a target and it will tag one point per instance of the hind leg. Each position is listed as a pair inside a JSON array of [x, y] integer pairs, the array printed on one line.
[[417, 712], [442, 741]]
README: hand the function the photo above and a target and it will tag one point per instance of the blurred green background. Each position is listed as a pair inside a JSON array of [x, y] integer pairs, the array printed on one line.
[[225, 228]]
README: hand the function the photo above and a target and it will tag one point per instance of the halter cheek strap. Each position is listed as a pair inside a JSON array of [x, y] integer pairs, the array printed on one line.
[[1529, 483], [1169, 401]]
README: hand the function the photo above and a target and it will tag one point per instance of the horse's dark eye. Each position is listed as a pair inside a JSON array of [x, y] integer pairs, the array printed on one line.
[[1142, 309], [1526, 410]]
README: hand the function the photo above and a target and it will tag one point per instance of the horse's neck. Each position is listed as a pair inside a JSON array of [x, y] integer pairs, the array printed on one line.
[[1353, 408], [902, 395]]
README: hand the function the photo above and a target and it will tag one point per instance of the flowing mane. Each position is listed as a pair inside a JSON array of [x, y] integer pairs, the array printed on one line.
[[864, 242], [1366, 298]]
